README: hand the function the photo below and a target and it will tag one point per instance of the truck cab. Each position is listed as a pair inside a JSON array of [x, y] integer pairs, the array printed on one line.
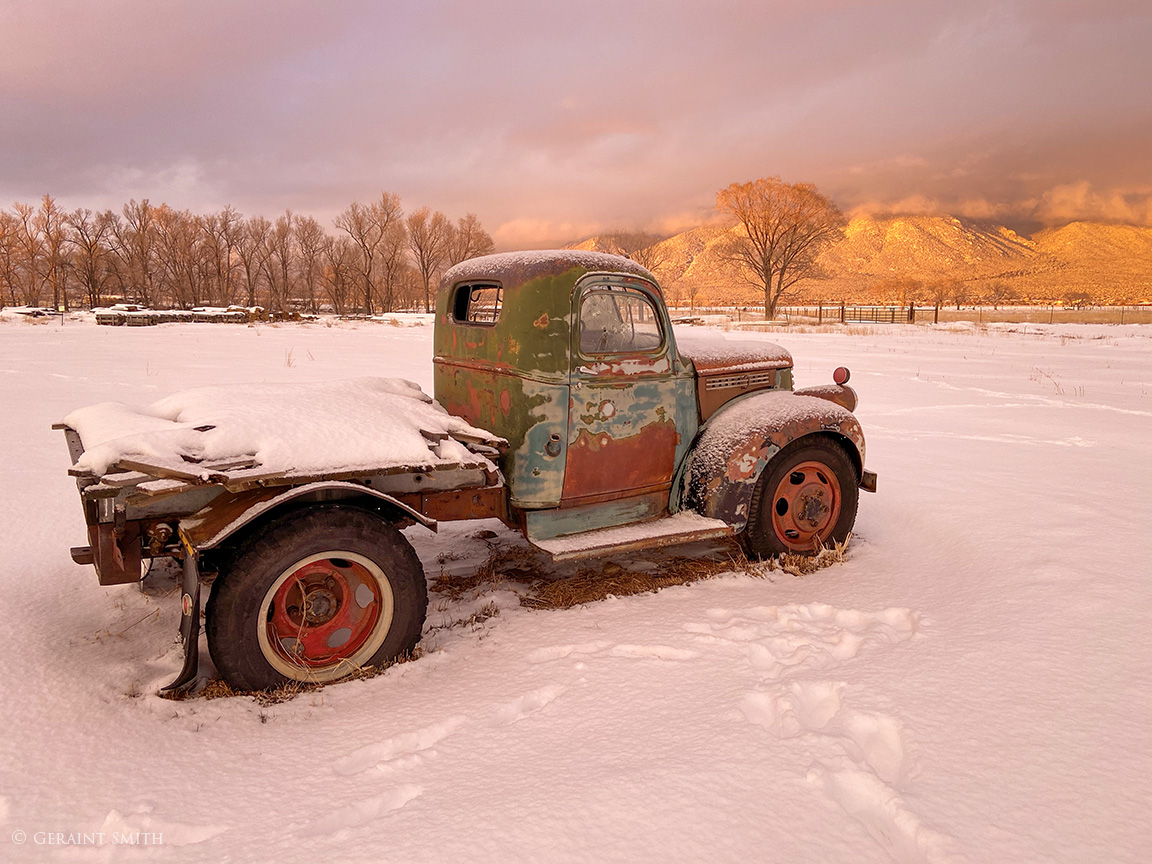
[[571, 357]]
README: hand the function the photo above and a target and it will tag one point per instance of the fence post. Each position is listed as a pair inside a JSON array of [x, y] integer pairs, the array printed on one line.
[[841, 311]]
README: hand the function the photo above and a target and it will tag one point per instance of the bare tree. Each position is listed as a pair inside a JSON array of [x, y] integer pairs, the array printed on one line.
[[338, 270], [178, 277], [49, 222], [783, 228], [9, 256], [309, 244], [941, 290], [640, 246], [998, 292], [959, 293], [468, 240], [89, 233], [428, 237], [135, 237], [367, 226], [281, 262], [30, 246], [393, 265], [223, 232], [252, 251]]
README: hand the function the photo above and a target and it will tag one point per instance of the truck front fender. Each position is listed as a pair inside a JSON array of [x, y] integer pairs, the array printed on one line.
[[739, 441]]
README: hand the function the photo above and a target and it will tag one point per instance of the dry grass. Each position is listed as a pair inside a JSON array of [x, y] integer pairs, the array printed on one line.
[[217, 688], [524, 567], [591, 585], [504, 564]]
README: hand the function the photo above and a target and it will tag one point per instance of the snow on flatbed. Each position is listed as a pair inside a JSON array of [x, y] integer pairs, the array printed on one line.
[[296, 429], [972, 685]]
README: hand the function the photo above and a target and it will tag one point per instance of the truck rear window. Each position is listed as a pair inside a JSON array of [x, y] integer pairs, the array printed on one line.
[[477, 304]]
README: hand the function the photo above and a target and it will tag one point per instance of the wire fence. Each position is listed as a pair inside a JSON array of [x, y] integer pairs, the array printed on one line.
[[845, 313]]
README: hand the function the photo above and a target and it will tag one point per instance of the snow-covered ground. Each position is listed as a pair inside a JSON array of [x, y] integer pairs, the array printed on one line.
[[972, 684]]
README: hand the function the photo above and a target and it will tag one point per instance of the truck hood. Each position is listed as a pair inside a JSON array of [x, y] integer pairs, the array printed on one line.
[[728, 368], [712, 353]]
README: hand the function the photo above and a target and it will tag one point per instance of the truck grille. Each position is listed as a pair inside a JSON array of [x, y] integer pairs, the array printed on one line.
[[744, 381]]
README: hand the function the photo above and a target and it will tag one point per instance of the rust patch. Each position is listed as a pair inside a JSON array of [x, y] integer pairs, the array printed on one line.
[[117, 559], [505, 402], [541, 322], [599, 463]]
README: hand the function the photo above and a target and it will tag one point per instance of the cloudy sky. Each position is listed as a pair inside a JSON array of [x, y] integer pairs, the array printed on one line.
[[552, 121]]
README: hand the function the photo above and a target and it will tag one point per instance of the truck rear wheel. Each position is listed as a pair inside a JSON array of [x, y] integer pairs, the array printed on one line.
[[321, 593], [806, 497]]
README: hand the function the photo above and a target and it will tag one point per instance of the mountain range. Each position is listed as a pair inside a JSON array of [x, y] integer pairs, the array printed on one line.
[[882, 258]]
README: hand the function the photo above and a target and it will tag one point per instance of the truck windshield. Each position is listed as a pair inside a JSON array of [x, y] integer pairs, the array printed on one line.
[[618, 321]]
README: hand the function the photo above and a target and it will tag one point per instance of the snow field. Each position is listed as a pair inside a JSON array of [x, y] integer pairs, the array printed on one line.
[[971, 685]]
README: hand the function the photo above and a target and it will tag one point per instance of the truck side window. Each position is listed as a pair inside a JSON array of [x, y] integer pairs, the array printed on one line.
[[477, 304], [618, 321]]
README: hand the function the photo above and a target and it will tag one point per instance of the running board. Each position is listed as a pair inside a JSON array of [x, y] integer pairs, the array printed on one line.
[[684, 527]]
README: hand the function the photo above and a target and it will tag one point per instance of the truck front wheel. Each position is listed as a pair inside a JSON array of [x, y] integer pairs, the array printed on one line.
[[806, 497], [319, 594]]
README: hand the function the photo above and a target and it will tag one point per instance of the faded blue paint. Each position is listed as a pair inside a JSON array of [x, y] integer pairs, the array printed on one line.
[[547, 524]]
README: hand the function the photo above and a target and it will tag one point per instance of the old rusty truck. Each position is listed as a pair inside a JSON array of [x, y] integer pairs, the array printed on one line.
[[565, 406]]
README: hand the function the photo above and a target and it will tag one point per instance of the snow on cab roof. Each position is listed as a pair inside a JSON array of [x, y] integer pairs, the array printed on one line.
[[517, 267]]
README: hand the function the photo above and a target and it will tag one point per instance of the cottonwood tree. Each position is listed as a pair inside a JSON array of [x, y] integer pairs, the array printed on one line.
[[998, 292], [643, 248], [393, 264], [9, 256], [222, 237], [49, 223], [30, 247], [252, 252], [428, 238], [367, 226], [338, 270], [135, 237], [309, 244], [959, 293], [469, 240], [178, 251], [89, 233], [281, 262], [783, 228]]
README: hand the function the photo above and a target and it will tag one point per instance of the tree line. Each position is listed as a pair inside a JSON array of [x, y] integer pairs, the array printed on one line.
[[378, 259]]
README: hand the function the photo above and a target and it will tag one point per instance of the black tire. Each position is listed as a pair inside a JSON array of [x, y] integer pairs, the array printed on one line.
[[313, 597], [806, 496]]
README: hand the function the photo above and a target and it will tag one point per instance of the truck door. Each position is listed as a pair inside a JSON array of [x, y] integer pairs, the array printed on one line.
[[624, 400]]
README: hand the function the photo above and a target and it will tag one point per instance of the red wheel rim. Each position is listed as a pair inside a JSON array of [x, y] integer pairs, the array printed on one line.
[[806, 506], [323, 612]]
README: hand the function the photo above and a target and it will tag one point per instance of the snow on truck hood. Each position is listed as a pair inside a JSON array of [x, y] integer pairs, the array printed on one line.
[[712, 352], [293, 428]]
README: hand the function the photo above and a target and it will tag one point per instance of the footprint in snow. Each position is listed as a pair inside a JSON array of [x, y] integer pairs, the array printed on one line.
[[363, 810], [874, 740], [883, 813], [653, 652], [406, 744], [780, 639], [529, 703]]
